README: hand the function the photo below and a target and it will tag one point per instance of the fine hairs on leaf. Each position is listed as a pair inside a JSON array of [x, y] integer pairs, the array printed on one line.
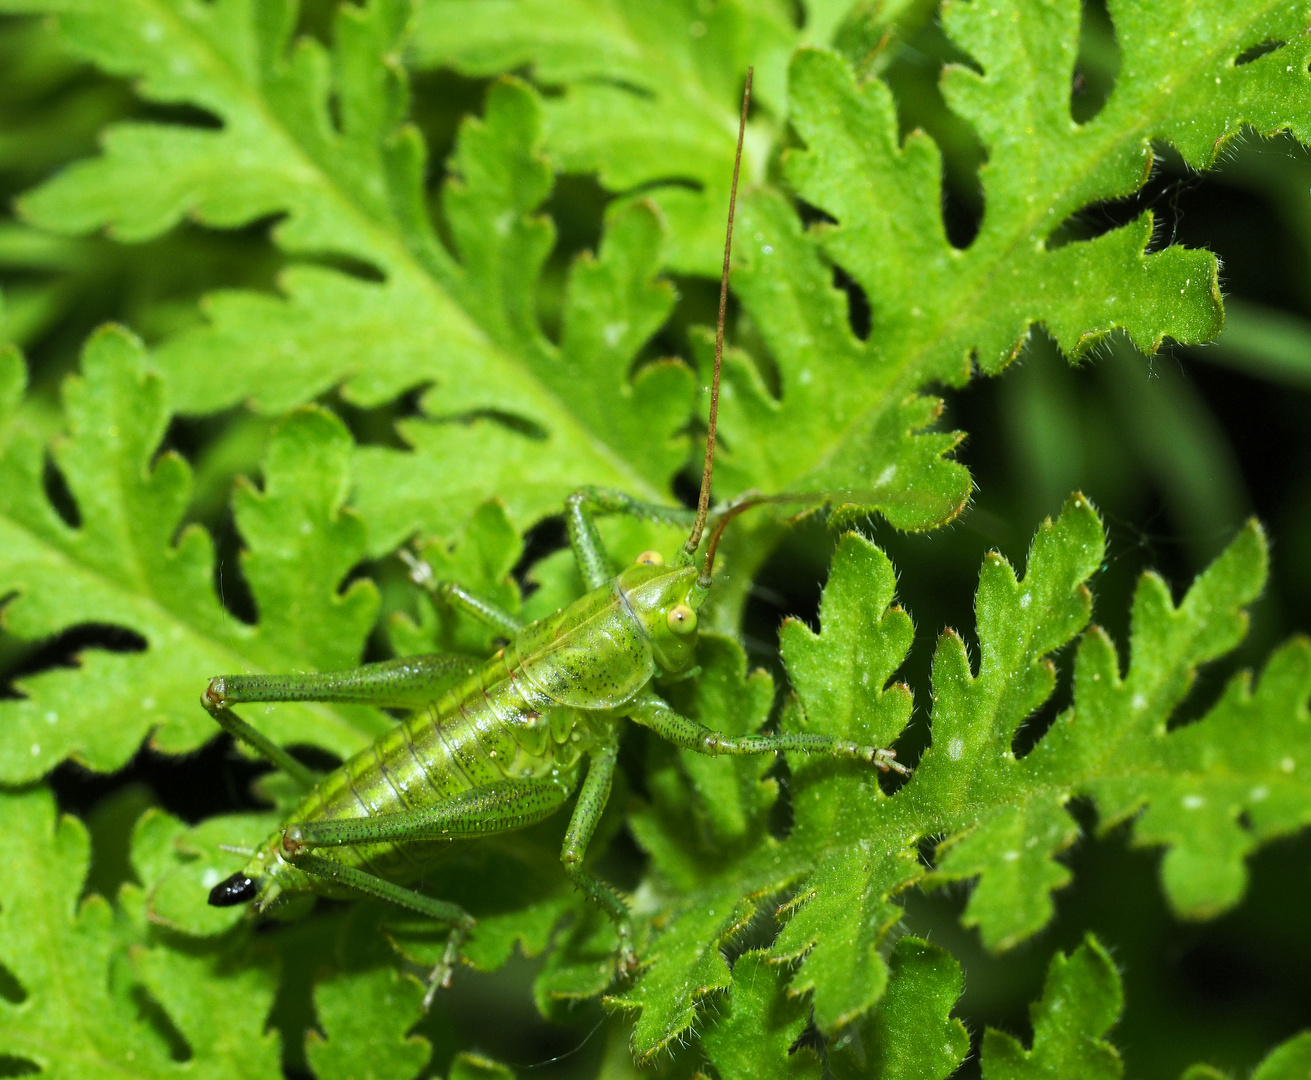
[[423, 338]]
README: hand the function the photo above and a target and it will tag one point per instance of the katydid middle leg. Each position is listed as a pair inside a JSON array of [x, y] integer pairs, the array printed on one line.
[[585, 505], [592, 798]]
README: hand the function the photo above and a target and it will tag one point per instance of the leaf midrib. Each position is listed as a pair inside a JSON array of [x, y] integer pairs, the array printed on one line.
[[402, 259]]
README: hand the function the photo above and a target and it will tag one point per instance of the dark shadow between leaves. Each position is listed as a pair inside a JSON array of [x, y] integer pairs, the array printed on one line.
[[59, 495], [1169, 178], [152, 1013], [1098, 65]]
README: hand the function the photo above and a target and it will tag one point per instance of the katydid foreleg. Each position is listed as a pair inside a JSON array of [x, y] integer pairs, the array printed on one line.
[[654, 713]]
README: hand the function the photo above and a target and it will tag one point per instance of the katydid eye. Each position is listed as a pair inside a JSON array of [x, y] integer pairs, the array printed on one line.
[[650, 558], [681, 619]]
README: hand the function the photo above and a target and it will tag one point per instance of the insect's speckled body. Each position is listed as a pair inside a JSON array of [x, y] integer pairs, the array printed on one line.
[[502, 746], [531, 712]]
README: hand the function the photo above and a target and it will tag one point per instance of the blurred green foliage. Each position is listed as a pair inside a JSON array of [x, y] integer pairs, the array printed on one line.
[[494, 274]]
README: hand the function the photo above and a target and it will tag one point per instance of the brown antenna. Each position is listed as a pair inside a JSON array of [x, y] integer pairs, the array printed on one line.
[[703, 504]]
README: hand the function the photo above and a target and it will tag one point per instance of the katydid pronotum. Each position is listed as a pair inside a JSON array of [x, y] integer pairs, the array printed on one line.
[[505, 747]]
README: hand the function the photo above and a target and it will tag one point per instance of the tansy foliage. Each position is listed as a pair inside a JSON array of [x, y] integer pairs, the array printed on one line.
[[773, 941]]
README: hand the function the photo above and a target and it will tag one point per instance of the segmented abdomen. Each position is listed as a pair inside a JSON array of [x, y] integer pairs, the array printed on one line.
[[493, 727]]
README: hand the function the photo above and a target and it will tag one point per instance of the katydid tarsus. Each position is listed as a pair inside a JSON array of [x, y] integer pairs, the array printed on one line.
[[506, 746]]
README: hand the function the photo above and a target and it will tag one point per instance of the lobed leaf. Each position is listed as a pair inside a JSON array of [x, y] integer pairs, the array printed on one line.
[[462, 319], [901, 1033], [129, 562], [757, 1031], [365, 1017], [648, 94], [1081, 1001], [86, 975]]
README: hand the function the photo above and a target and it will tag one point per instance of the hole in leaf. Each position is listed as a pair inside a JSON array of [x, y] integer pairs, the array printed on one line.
[[858, 310], [10, 988], [519, 424], [16, 1066], [344, 264], [230, 583], [1168, 180], [813, 215], [58, 493], [1257, 51], [962, 205], [660, 182], [150, 1010], [334, 113], [179, 115], [63, 649], [1098, 64]]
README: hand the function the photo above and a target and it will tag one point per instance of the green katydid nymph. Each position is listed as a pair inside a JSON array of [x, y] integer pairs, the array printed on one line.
[[506, 745]]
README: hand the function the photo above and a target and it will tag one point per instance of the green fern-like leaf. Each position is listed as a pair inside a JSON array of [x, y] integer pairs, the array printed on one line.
[[389, 288], [124, 563]]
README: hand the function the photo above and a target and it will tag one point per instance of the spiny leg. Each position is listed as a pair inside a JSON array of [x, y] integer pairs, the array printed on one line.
[[653, 713], [587, 815], [585, 505], [410, 682], [362, 881], [235, 726], [495, 808]]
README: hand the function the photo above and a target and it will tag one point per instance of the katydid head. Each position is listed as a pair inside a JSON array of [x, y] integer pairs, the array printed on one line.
[[664, 600]]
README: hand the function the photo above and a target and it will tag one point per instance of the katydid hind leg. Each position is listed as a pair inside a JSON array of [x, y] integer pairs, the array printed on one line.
[[408, 682]]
